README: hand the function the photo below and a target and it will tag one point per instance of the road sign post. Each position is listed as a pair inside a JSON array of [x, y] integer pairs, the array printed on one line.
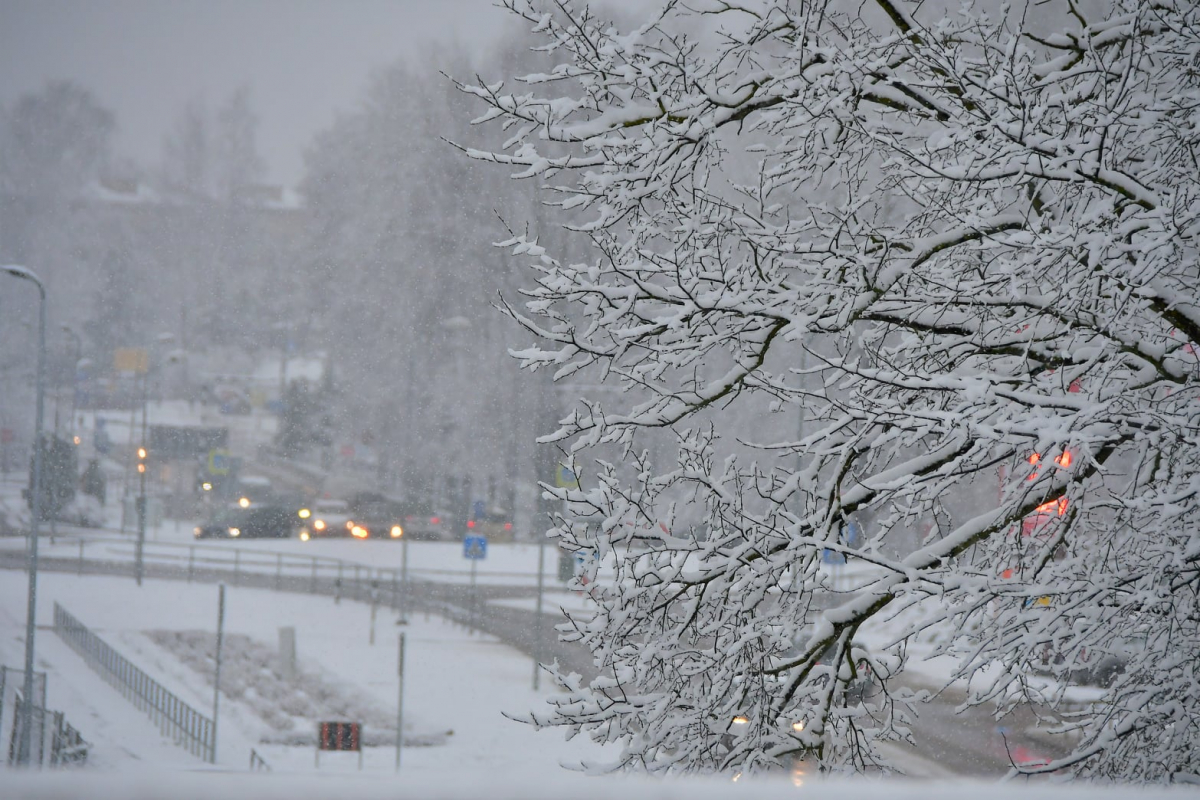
[[474, 549]]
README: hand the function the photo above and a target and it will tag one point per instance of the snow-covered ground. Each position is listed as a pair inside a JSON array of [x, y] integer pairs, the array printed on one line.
[[457, 686], [454, 681]]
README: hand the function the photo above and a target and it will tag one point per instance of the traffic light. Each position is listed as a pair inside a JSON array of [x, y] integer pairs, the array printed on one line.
[[141, 455]]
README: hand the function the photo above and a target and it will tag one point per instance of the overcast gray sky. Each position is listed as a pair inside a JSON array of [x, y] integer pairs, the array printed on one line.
[[303, 59]]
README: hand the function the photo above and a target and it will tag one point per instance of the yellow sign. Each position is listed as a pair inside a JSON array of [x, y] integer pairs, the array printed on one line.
[[131, 359]]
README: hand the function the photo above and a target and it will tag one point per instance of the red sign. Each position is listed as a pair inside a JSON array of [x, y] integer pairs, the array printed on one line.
[[339, 736]]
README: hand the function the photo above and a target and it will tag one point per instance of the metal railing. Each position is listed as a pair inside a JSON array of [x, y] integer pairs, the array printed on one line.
[[239, 565], [10, 698], [191, 561], [37, 737], [53, 741], [192, 730], [67, 747]]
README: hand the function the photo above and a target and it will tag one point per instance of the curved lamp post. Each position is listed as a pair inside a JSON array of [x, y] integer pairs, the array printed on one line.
[[26, 727]]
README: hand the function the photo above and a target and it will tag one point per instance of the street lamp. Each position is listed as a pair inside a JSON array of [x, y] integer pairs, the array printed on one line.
[[26, 710]]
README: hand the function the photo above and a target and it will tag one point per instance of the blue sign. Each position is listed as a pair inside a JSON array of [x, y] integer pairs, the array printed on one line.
[[218, 462], [475, 547]]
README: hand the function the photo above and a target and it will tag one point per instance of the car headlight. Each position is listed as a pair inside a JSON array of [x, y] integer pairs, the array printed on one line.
[[196, 531], [304, 535], [304, 513], [319, 524], [358, 532], [235, 532], [397, 531]]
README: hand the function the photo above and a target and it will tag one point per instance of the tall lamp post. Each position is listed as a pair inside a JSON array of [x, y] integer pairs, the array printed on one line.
[[26, 710]]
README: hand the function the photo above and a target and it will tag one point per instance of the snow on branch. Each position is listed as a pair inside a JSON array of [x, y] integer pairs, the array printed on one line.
[[918, 293]]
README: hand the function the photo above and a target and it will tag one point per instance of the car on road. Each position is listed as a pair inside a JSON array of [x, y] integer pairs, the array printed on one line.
[[431, 526], [327, 519], [376, 517], [495, 523], [254, 522]]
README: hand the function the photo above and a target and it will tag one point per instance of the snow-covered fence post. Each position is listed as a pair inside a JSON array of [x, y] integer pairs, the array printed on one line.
[[191, 562]]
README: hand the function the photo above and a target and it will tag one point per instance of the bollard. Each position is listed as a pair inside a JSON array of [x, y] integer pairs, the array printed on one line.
[[374, 612], [337, 585], [191, 562], [81, 556], [279, 572]]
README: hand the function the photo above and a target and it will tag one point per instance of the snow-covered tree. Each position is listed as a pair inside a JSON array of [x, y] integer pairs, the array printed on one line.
[[961, 247]]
